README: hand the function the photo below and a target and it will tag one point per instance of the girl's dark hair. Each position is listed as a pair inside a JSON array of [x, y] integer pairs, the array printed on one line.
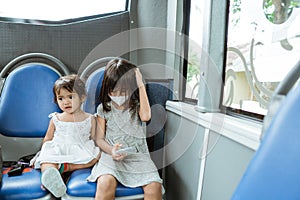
[[70, 83], [120, 75]]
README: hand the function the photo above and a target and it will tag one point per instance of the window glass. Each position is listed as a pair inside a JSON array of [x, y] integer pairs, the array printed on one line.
[[263, 44], [194, 49], [57, 10]]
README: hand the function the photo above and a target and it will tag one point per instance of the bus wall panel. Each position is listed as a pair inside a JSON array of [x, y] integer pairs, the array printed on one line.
[[183, 160], [71, 42], [226, 163]]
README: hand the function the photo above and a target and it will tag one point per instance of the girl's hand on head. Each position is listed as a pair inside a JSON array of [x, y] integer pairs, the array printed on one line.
[[139, 77], [115, 155]]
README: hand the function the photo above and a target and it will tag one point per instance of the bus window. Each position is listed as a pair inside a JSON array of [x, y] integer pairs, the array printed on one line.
[[194, 49], [57, 10], [263, 44]]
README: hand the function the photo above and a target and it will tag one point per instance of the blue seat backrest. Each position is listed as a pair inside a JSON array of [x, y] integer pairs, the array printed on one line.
[[93, 87], [27, 100], [274, 171]]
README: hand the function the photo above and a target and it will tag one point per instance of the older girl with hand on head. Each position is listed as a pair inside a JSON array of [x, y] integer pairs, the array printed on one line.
[[68, 144], [124, 106]]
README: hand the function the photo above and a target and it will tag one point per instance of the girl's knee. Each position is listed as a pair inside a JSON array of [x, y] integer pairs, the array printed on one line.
[[106, 187], [107, 181], [153, 188]]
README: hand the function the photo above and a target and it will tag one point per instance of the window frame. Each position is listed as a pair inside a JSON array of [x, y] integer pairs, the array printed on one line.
[[240, 112], [186, 31], [228, 110], [223, 109]]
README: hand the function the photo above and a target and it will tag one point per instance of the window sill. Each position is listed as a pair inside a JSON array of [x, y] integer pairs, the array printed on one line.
[[245, 132]]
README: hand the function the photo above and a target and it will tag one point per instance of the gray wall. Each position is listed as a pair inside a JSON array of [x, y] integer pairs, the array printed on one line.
[[71, 42], [145, 14], [225, 163], [183, 141]]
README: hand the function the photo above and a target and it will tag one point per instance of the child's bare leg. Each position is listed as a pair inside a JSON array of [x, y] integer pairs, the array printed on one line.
[[106, 187], [51, 179], [71, 167], [152, 191], [47, 165]]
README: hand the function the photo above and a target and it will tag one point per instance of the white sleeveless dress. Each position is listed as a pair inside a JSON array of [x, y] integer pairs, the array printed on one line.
[[71, 143]]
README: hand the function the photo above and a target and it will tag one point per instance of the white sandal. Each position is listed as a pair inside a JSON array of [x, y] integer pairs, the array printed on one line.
[[52, 181]]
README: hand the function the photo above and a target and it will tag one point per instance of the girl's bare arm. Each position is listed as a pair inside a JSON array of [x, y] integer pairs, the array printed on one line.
[[101, 142], [145, 111], [50, 132], [93, 129]]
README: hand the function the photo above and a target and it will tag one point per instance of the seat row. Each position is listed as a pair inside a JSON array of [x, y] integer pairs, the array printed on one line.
[[25, 104]]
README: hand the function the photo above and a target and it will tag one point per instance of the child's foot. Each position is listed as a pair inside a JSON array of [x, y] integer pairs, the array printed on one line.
[[52, 180]]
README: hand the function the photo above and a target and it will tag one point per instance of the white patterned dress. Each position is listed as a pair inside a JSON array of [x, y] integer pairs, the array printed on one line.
[[136, 169], [71, 143]]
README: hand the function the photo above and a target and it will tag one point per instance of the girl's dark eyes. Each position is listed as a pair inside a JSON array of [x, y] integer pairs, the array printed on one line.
[[61, 98]]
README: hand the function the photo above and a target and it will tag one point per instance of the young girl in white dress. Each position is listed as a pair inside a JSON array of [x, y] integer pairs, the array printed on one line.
[[124, 107], [68, 144]]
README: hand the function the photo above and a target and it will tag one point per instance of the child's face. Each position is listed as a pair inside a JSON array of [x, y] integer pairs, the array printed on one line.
[[68, 102], [118, 93]]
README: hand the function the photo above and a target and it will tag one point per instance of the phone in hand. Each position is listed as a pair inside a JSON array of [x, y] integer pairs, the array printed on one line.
[[127, 150]]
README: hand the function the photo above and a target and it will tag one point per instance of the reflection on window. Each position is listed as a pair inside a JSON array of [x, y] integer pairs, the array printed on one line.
[[263, 45], [57, 10], [194, 51]]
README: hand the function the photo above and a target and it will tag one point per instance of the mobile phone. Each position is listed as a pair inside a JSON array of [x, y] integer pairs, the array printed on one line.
[[128, 150]]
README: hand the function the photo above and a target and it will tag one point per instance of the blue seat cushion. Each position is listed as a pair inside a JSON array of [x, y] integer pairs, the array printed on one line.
[[25, 186], [78, 186]]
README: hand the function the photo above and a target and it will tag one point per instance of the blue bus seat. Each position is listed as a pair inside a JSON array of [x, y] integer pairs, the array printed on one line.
[[274, 171], [93, 88], [77, 185], [26, 186], [25, 103]]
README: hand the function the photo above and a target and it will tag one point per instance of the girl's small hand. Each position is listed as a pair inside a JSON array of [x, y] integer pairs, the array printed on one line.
[[115, 155], [139, 77], [98, 156]]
